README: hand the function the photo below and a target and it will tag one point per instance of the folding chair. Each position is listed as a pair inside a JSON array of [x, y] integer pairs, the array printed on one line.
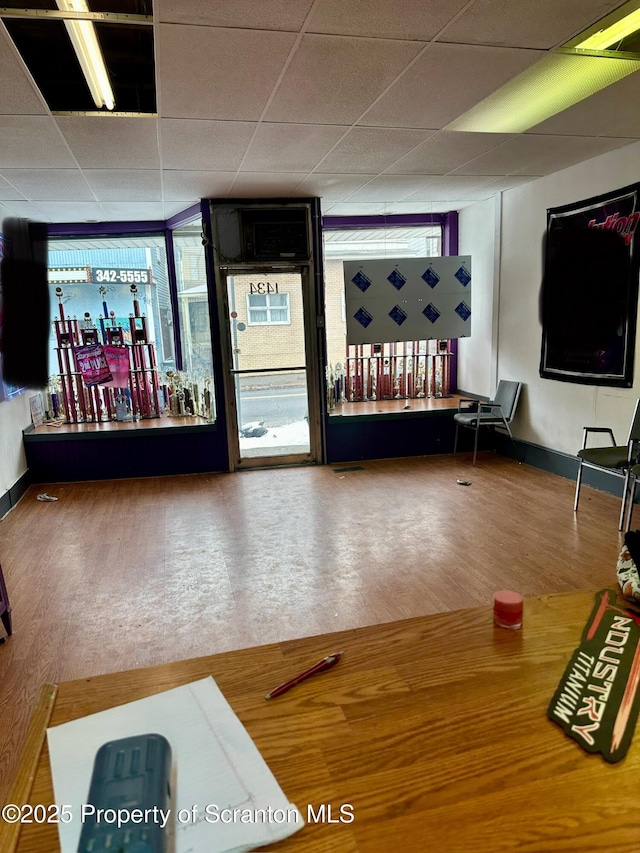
[[616, 459], [498, 412]]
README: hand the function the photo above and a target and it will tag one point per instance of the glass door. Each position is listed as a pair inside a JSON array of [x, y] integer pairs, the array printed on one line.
[[272, 416]]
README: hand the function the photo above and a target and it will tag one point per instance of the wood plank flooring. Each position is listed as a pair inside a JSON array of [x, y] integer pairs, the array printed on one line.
[[128, 573]]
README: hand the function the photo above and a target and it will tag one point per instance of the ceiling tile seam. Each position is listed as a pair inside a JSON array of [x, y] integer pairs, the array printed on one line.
[[497, 145], [276, 86], [530, 162], [14, 187], [419, 55], [295, 47], [399, 76]]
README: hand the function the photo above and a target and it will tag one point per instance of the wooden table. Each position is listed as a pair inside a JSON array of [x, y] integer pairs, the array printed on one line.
[[433, 729]]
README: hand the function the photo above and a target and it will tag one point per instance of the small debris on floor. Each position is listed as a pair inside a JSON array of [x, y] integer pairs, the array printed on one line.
[[463, 482], [45, 497]]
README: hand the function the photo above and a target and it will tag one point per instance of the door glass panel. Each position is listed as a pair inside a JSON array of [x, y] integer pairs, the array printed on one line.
[[269, 364]]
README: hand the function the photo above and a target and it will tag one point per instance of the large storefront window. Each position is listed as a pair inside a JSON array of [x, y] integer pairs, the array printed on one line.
[[384, 371], [112, 351]]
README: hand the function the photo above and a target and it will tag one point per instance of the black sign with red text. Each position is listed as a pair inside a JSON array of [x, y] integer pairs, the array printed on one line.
[[589, 293]]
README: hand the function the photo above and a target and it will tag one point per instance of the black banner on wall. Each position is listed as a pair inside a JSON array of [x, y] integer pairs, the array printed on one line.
[[589, 296]]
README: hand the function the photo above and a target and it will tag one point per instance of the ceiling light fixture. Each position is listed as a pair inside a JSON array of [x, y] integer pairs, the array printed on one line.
[[559, 80], [613, 34], [85, 43], [553, 84]]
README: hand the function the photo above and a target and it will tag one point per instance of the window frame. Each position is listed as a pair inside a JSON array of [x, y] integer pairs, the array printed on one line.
[[268, 308]]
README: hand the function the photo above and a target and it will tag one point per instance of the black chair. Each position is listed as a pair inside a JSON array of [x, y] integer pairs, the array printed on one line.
[[498, 412], [616, 459]]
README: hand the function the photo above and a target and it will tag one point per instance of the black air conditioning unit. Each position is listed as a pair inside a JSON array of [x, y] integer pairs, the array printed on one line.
[[269, 234]]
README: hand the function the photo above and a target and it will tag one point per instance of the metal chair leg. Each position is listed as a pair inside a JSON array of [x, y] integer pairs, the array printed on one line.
[[515, 449], [632, 494], [578, 482], [475, 442], [455, 440], [628, 494]]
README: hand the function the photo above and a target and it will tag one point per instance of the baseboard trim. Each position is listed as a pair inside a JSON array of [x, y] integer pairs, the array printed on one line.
[[11, 497], [562, 464]]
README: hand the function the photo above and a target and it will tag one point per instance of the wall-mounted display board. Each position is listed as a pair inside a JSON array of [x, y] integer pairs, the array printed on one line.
[[407, 299], [590, 290]]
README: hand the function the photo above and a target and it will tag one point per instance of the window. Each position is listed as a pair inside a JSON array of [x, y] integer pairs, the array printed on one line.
[[126, 342], [268, 309], [382, 371], [345, 244]]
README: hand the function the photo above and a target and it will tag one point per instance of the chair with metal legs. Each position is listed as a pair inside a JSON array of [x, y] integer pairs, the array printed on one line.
[[498, 412], [616, 459]]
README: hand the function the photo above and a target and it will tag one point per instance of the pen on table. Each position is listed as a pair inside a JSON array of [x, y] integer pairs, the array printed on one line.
[[322, 666]]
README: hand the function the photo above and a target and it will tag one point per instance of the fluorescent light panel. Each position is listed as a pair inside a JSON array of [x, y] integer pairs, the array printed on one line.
[[609, 36], [551, 85], [555, 83], [85, 43]]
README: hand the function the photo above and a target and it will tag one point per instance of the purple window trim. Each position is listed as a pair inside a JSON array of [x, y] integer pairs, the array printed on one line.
[[173, 298], [184, 217], [104, 229], [382, 220], [450, 234]]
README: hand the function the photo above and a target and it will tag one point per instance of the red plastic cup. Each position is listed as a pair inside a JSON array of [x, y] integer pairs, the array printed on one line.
[[507, 609]]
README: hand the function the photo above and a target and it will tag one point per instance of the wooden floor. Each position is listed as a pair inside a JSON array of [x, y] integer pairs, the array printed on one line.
[[123, 574]]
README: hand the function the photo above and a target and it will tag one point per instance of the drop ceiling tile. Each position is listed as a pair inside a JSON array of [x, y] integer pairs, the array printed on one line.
[[265, 15], [536, 154], [510, 182], [444, 151], [290, 147], [213, 83], [27, 210], [192, 186], [111, 142], [350, 209], [571, 150], [446, 81], [543, 24], [204, 145], [174, 208], [417, 20], [447, 187], [611, 112], [334, 79], [125, 184], [371, 149], [333, 187], [391, 187], [269, 184], [72, 211], [32, 142], [7, 191], [50, 184], [444, 205], [133, 211], [18, 95]]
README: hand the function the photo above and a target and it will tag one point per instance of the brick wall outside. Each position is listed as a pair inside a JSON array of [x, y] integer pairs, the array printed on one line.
[[274, 345]]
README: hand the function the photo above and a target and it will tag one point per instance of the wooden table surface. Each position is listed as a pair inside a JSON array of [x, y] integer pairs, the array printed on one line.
[[433, 729]]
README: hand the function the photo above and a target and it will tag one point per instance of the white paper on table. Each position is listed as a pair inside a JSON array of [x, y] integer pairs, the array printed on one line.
[[215, 764]]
